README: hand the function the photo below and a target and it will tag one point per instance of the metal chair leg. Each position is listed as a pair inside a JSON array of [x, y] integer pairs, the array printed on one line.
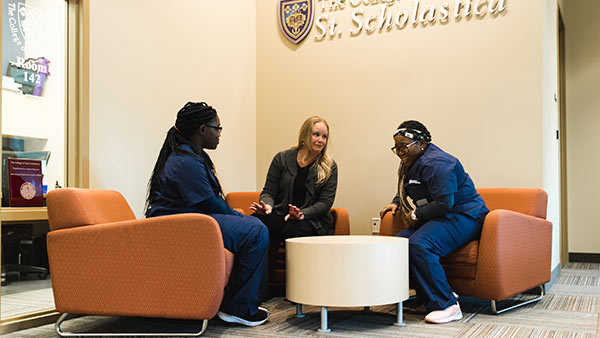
[[65, 316], [497, 311]]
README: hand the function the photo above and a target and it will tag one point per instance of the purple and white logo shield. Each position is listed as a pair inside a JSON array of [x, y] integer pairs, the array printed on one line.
[[295, 18]]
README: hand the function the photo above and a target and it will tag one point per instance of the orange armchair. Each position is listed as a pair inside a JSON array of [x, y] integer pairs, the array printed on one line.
[[103, 261], [241, 202], [513, 254]]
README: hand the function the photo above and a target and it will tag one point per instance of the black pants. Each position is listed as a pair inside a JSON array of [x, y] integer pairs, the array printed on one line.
[[280, 230]]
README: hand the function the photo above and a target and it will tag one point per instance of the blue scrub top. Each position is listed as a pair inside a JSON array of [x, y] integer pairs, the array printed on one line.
[[185, 181], [437, 173]]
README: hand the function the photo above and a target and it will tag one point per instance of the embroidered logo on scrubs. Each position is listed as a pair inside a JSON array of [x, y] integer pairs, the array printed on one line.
[[295, 18], [413, 182]]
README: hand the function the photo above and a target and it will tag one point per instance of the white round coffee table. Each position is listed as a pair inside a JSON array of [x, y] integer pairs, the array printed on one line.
[[347, 271]]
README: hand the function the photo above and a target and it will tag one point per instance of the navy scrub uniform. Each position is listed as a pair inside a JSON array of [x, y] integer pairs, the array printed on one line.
[[185, 182], [433, 175]]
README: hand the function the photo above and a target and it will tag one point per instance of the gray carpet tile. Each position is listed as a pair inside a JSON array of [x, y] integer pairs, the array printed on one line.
[[570, 309]]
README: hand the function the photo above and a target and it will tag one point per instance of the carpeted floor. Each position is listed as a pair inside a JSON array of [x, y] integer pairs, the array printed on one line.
[[571, 309]]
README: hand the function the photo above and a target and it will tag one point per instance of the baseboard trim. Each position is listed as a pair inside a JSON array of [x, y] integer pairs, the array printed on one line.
[[584, 257], [553, 277]]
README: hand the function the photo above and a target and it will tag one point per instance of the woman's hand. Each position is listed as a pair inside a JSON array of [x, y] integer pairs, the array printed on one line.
[[294, 214], [261, 208], [390, 207]]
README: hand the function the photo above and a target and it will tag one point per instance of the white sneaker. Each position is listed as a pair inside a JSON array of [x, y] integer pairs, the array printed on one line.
[[449, 314], [259, 318]]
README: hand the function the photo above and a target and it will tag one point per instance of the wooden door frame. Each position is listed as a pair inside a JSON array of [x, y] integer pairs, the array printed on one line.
[[564, 225]]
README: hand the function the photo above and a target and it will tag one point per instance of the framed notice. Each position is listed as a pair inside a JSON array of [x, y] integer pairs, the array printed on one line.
[[25, 182]]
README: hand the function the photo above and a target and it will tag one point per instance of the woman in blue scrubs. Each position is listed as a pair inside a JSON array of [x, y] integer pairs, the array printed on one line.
[[446, 213], [184, 181]]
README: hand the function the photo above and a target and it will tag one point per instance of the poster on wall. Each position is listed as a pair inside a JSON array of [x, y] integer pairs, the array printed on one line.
[[22, 30]]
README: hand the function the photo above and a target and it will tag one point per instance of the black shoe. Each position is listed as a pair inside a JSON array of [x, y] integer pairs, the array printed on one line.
[[258, 318], [415, 304]]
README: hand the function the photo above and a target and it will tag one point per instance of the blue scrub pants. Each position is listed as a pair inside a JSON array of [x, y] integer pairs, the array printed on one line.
[[430, 242], [248, 238]]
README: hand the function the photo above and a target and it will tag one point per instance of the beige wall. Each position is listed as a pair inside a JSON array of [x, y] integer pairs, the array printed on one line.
[[483, 85], [148, 58], [476, 84], [582, 29]]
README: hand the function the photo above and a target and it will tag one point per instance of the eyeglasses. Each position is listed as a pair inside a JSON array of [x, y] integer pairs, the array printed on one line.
[[402, 149], [217, 128]]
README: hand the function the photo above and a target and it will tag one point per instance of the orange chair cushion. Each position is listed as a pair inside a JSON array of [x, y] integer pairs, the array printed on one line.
[[466, 254]]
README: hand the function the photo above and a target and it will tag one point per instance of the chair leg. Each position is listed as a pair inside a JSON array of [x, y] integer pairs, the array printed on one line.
[[65, 316], [499, 311]]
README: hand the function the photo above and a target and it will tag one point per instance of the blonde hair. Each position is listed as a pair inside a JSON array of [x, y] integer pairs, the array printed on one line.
[[322, 161]]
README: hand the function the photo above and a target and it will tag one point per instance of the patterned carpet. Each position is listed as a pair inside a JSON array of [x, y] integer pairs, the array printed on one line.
[[571, 309]]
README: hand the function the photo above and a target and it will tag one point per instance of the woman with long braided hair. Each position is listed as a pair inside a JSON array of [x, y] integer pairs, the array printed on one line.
[[446, 213], [184, 181]]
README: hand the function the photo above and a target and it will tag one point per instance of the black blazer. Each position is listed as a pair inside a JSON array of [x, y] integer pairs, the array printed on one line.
[[278, 191]]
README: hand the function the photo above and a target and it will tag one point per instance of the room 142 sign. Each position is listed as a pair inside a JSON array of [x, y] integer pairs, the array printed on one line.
[[30, 74]]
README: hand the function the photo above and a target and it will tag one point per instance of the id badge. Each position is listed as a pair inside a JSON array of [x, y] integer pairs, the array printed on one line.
[[421, 202]]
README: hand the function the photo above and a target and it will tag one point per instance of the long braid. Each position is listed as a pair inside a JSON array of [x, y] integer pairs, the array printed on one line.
[[189, 118], [404, 203], [414, 130]]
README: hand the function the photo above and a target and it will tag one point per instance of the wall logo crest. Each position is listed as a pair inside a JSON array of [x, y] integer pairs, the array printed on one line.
[[295, 18]]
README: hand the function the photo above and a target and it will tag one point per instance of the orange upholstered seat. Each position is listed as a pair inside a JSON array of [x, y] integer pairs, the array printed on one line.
[[104, 261], [513, 254]]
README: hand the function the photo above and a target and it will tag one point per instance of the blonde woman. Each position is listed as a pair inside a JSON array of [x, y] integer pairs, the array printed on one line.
[[300, 187]]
